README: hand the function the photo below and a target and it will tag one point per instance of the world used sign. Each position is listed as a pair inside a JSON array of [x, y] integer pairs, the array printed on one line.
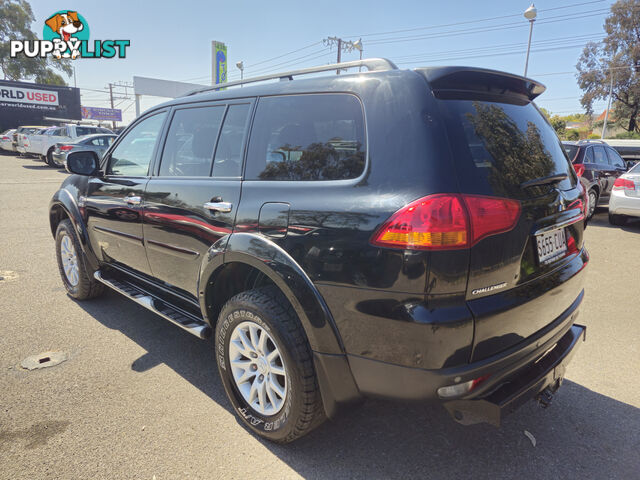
[[28, 95]]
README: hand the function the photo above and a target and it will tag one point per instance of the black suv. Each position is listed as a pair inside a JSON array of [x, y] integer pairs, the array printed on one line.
[[410, 234], [598, 165]]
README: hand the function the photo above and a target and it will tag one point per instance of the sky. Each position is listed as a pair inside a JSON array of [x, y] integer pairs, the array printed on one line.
[[172, 40]]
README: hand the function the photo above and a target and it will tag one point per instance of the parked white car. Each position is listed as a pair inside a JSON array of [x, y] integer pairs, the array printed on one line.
[[23, 144], [22, 131], [44, 144], [6, 140], [625, 197]]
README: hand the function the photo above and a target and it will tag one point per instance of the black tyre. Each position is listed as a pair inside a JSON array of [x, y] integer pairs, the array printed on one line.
[[79, 282], [592, 199], [268, 374], [617, 220], [50, 161]]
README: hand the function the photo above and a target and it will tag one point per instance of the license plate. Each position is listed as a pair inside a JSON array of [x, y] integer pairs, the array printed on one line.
[[551, 245]]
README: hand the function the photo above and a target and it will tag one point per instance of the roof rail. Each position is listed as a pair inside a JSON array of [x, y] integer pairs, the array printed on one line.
[[591, 140], [372, 64]]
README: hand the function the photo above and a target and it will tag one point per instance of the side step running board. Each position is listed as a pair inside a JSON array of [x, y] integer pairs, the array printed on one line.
[[181, 318]]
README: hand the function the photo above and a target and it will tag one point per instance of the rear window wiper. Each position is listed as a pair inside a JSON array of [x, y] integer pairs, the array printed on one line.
[[544, 180]]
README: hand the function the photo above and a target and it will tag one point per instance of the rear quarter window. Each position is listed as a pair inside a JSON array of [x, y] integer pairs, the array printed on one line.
[[307, 138], [498, 146]]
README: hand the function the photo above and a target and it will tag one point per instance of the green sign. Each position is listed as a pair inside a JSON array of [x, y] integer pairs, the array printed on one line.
[[220, 62]]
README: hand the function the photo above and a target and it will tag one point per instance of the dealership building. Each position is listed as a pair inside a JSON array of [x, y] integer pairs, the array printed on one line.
[[23, 103]]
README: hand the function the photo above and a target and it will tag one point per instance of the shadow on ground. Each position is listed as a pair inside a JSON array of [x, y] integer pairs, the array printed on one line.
[[601, 219], [582, 435], [44, 167]]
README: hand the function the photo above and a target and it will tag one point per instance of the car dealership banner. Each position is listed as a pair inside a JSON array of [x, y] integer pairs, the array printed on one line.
[[24, 103], [28, 95], [99, 113], [219, 62]]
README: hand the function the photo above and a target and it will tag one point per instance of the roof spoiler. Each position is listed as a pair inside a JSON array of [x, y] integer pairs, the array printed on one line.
[[453, 82]]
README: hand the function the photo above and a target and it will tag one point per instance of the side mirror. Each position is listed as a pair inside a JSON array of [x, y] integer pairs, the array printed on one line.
[[82, 163]]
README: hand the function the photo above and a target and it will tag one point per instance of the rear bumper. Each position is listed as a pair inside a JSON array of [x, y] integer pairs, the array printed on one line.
[[620, 204], [515, 375], [59, 157], [523, 385]]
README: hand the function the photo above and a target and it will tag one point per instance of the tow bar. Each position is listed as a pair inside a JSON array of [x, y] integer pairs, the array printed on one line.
[[545, 397]]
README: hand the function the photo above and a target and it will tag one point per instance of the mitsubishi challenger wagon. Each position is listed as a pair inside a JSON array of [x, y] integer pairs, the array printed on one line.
[[408, 234]]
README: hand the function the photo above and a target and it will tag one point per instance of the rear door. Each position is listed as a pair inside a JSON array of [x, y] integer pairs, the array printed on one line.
[[606, 173], [618, 165], [114, 201], [191, 201], [507, 150]]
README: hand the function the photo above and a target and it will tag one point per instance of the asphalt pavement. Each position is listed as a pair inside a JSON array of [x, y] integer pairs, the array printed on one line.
[[138, 398]]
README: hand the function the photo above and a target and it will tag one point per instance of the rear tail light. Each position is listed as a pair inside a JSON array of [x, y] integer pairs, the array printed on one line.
[[579, 168], [6, 138], [66, 148], [623, 184], [447, 221]]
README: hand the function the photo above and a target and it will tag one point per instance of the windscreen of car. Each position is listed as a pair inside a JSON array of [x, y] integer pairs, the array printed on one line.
[[571, 150], [499, 146]]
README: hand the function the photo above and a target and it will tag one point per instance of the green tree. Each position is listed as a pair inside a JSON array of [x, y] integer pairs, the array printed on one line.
[[573, 135], [617, 56], [545, 112], [16, 18], [558, 124]]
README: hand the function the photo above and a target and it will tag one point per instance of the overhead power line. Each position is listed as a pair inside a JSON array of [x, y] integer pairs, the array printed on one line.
[[480, 20], [501, 27]]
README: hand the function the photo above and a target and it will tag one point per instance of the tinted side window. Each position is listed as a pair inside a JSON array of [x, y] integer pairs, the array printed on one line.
[[80, 131], [99, 141], [228, 161], [600, 155], [133, 154], [615, 159], [588, 156], [188, 151], [307, 137]]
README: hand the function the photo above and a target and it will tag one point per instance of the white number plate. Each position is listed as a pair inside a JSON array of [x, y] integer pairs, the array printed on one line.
[[551, 245]]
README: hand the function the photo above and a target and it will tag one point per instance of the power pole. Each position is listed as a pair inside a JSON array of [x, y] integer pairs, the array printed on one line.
[[113, 123], [606, 113], [349, 46], [123, 95]]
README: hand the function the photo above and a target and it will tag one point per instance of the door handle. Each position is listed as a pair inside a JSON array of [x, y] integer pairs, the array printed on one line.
[[133, 199], [222, 207]]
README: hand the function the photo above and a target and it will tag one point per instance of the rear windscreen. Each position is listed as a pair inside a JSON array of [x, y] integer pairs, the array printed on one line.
[[499, 146], [571, 150]]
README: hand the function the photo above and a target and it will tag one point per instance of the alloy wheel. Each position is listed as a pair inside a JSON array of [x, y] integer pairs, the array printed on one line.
[[258, 368], [69, 260]]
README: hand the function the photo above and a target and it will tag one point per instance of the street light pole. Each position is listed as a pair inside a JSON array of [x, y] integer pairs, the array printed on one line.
[[530, 14], [606, 114], [240, 66]]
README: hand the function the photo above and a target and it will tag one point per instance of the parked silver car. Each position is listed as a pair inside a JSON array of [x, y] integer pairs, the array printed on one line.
[[98, 142], [6, 140], [625, 197]]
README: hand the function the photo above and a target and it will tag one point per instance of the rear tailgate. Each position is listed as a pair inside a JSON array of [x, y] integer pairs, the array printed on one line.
[[503, 147]]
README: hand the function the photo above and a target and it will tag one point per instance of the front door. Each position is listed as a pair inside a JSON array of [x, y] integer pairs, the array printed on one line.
[[114, 201], [192, 200]]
